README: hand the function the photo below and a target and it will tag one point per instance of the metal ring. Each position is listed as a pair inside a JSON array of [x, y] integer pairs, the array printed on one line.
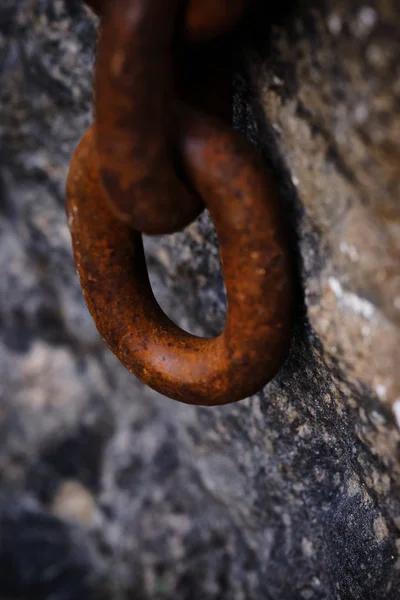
[[136, 113], [241, 197]]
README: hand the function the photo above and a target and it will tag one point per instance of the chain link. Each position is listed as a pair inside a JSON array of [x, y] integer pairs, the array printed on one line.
[[148, 164]]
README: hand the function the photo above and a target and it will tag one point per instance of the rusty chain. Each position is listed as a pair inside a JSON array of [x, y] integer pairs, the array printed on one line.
[[147, 165]]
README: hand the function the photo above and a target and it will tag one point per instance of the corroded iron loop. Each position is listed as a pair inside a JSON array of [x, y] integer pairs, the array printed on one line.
[[124, 180], [136, 109], [242, 201]]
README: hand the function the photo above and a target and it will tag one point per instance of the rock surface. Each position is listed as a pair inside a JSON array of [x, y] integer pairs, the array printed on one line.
[[111, 491]]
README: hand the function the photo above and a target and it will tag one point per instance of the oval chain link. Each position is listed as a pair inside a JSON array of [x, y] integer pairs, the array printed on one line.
[[123, 181]]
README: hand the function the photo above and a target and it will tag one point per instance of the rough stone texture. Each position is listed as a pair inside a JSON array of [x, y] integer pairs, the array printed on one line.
[[335, 112], [111, 491]]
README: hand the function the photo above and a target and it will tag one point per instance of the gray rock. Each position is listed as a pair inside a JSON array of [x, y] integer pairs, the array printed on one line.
[[109, 490]]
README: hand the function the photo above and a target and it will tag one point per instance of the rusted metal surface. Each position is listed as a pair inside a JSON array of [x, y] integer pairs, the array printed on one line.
[[242, 201], [136, 115], [205, 19], [124, 161]]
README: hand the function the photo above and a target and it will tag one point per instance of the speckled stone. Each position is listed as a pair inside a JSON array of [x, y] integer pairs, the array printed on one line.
[[290, 495]]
